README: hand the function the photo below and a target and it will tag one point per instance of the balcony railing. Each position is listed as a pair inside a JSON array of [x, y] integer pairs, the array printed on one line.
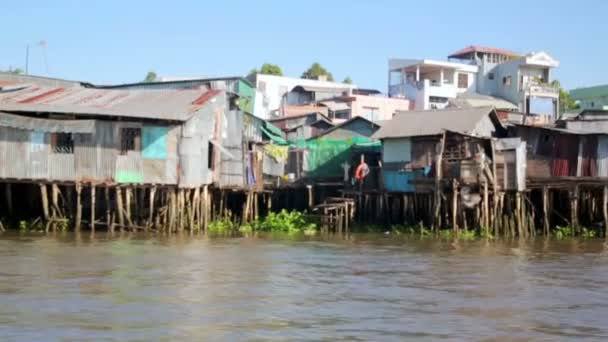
[[540, 87]]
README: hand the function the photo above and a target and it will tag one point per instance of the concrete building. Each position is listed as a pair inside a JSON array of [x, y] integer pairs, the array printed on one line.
[[430, 84], [274, 92], [371, 107], [591, 97], [525, 81]]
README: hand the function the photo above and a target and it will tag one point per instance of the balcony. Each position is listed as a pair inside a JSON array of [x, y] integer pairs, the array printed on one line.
[[540, 88]]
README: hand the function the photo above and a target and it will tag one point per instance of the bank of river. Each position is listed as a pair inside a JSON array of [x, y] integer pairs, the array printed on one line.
[[362, 287]]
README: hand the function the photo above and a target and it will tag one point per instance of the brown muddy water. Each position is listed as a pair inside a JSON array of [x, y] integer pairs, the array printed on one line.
[[363, 287]]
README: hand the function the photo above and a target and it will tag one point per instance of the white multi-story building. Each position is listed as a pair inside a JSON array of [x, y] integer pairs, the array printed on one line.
[[525, 81], [430, 84]]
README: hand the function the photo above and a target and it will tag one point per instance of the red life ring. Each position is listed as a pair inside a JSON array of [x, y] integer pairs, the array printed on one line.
[[362, 171]]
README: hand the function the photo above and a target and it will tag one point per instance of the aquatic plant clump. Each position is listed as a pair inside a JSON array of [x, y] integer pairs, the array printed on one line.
[[284, 221]]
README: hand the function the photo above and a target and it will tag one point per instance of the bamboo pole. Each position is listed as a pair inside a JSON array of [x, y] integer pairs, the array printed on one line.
[[438, 178]]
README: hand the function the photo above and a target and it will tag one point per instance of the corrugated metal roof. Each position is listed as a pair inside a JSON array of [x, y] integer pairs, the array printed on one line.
[[175, 105], [46, 125], [432, 122], [484, 49]]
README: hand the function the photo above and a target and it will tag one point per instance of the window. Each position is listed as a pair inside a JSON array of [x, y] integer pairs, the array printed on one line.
[[62, 143], [342, 114], [463, 81], [130, 140], [491, 76], [506, 81]]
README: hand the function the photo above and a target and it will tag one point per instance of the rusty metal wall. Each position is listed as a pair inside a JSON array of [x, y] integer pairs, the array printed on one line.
[[107, 149], [29, 155], [232, 167]]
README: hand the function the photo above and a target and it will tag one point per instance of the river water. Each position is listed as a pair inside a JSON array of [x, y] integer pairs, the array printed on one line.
[[362, 287]]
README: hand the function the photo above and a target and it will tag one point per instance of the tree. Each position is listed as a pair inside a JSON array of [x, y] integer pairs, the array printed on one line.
[[565, 101], [16, 71], [315, 71], [150, 77], [266, 69], [347, 80]]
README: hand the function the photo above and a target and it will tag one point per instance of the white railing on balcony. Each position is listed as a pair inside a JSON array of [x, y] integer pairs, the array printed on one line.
[[540, 87]]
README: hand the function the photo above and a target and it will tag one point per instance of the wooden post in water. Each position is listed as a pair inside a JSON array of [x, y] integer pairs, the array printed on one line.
[[546, 223], [518, 217], [106, 194], [45, 200], [438, 178], [574, 211], [151, 207], [128, 197], [605, 210], [486, 207], [92, 207], [120, 208], [78, 206], [455, 205]]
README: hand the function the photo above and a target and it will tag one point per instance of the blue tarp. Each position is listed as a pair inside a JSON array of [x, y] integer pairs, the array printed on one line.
[[154, 142]]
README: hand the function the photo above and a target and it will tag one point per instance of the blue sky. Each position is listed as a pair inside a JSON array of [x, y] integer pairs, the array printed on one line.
[[115, 41]]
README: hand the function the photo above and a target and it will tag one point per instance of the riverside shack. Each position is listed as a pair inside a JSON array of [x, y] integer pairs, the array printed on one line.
[[71, 139]]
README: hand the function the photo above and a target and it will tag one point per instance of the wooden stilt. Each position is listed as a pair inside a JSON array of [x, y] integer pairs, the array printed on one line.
[[45, 201], [455, 205], [486, 207], [120, 208], [92, 224], [106, 195], [151, 206], [574, 211], [128, 200], [206, 211], [546, 223], [78, 219]]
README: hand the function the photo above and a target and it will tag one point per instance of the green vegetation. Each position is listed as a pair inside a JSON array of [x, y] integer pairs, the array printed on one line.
[[565, 101], [266, 69], [284, 221], [562, 232], [347, 80], [150, 77], [315, 71], [222, 226], [16, 71], [31, 226]]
